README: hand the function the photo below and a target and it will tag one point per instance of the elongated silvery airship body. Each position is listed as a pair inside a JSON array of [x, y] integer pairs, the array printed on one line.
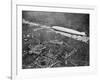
[[68, 30]]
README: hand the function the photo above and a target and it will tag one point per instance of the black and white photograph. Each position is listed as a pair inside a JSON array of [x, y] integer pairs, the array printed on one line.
[[55, 39], [50, 40]]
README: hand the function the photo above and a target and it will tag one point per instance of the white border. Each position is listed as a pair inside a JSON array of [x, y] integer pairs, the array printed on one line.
[[35, 73]]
